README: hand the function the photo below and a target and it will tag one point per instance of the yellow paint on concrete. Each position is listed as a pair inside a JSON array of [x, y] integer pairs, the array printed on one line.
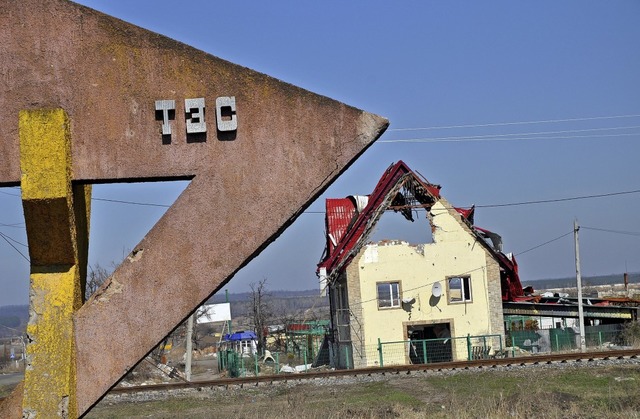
[[57, 230], [45, 154], [50, 379]]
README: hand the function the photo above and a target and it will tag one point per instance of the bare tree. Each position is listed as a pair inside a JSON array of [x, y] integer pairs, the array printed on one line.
[[97, 275], [261, 311]]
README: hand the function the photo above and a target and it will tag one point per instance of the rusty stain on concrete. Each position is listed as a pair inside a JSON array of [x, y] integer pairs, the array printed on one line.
[[289, 146]]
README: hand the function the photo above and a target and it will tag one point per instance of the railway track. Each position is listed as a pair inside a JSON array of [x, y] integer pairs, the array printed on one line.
[[395, 369]]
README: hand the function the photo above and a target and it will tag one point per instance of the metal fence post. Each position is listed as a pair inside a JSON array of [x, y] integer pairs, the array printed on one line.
[[256, 355], [484, 346], [424, 351], [557, 343], [600, 338], [305, 359], [277, 362], [380, 352], [469, 354], [346, 357]]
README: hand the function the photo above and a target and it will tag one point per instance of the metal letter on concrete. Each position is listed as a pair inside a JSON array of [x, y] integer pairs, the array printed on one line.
[[247, 185]]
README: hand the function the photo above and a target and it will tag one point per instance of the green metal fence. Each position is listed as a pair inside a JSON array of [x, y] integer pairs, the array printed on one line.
[[567, 339], [428, 351], [274, 363]]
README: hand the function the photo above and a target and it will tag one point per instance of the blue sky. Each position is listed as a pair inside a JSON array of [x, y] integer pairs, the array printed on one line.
[[424, 64]]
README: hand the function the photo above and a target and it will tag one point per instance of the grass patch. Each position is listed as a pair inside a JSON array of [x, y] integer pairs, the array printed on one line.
[[379, 393]]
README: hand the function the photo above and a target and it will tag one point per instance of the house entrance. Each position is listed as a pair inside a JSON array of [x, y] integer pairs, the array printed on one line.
[[429, 343]]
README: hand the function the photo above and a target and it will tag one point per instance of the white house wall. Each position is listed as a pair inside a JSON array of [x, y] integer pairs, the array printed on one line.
[[454, 252]]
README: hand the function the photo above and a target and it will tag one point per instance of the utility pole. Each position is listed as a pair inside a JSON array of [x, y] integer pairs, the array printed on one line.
[[187, 362], [583, 343], [226, 293]]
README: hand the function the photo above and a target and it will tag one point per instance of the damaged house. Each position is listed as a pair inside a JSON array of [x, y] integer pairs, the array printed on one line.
[[392, 291]]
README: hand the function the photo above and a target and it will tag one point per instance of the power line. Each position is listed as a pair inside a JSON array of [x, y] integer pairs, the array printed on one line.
[[10, 194], [542, 201], [546, 201], [511, 204], [13, 225], [14, 240], [148, 204], [14, 248], [544, 244], [499, 124], [117, 201], [628, 233], [479, 140], [526, 135]]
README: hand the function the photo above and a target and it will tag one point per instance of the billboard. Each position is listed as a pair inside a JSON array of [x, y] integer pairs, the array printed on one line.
[[211, 313]]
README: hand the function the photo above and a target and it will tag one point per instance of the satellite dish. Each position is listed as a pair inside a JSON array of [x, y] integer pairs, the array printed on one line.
[[436, 290]]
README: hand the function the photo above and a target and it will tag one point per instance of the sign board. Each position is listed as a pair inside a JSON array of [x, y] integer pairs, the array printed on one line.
[[213, 313]]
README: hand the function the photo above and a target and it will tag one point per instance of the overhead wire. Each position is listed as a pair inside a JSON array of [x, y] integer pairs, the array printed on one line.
[[493, 138], [546, 201], [500, 124], [524, 134], [628, 233], [544, 244], [2, 235]]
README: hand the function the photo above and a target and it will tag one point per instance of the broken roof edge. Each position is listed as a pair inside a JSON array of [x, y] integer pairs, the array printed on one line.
[[359, 227], [361, 224]]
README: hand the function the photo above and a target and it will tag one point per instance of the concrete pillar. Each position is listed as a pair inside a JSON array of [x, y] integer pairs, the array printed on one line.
[[56, 215]]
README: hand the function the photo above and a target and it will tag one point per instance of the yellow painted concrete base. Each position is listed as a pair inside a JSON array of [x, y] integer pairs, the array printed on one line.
[[56, 216]]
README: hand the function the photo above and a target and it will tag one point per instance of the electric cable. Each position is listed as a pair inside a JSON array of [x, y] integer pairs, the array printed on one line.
[[628, 233], [516, 134], [14, 248], [500, 124]]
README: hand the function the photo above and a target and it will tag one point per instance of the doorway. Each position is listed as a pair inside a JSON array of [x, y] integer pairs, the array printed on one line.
[[429, 343]]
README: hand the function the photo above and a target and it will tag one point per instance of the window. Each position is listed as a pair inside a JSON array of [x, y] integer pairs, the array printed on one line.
[[459, 289], [388, 294]]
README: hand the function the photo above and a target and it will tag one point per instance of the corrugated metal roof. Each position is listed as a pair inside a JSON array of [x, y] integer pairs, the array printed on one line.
[[340, 212]]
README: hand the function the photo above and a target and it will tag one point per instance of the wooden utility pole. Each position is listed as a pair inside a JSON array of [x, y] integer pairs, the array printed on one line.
[[583, 343]]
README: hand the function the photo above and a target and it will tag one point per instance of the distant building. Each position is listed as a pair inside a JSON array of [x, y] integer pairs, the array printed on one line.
[[396, 291]]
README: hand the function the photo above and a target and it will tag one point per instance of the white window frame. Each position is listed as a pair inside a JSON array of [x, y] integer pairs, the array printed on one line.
[[466, 293], [394, 295]]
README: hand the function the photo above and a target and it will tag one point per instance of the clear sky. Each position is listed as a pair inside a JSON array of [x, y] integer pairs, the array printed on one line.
[[424, 64]]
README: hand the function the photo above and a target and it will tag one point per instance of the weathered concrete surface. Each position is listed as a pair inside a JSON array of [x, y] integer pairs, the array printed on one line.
[[55, 291], [289, 146]]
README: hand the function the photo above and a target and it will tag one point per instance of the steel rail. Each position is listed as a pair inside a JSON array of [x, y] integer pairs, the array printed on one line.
[[394, 369]]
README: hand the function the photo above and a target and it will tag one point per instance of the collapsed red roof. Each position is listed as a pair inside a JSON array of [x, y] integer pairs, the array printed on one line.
[[350, 221]]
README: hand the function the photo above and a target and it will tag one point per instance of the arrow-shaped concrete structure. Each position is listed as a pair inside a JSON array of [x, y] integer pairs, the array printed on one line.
[[268, 149]]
